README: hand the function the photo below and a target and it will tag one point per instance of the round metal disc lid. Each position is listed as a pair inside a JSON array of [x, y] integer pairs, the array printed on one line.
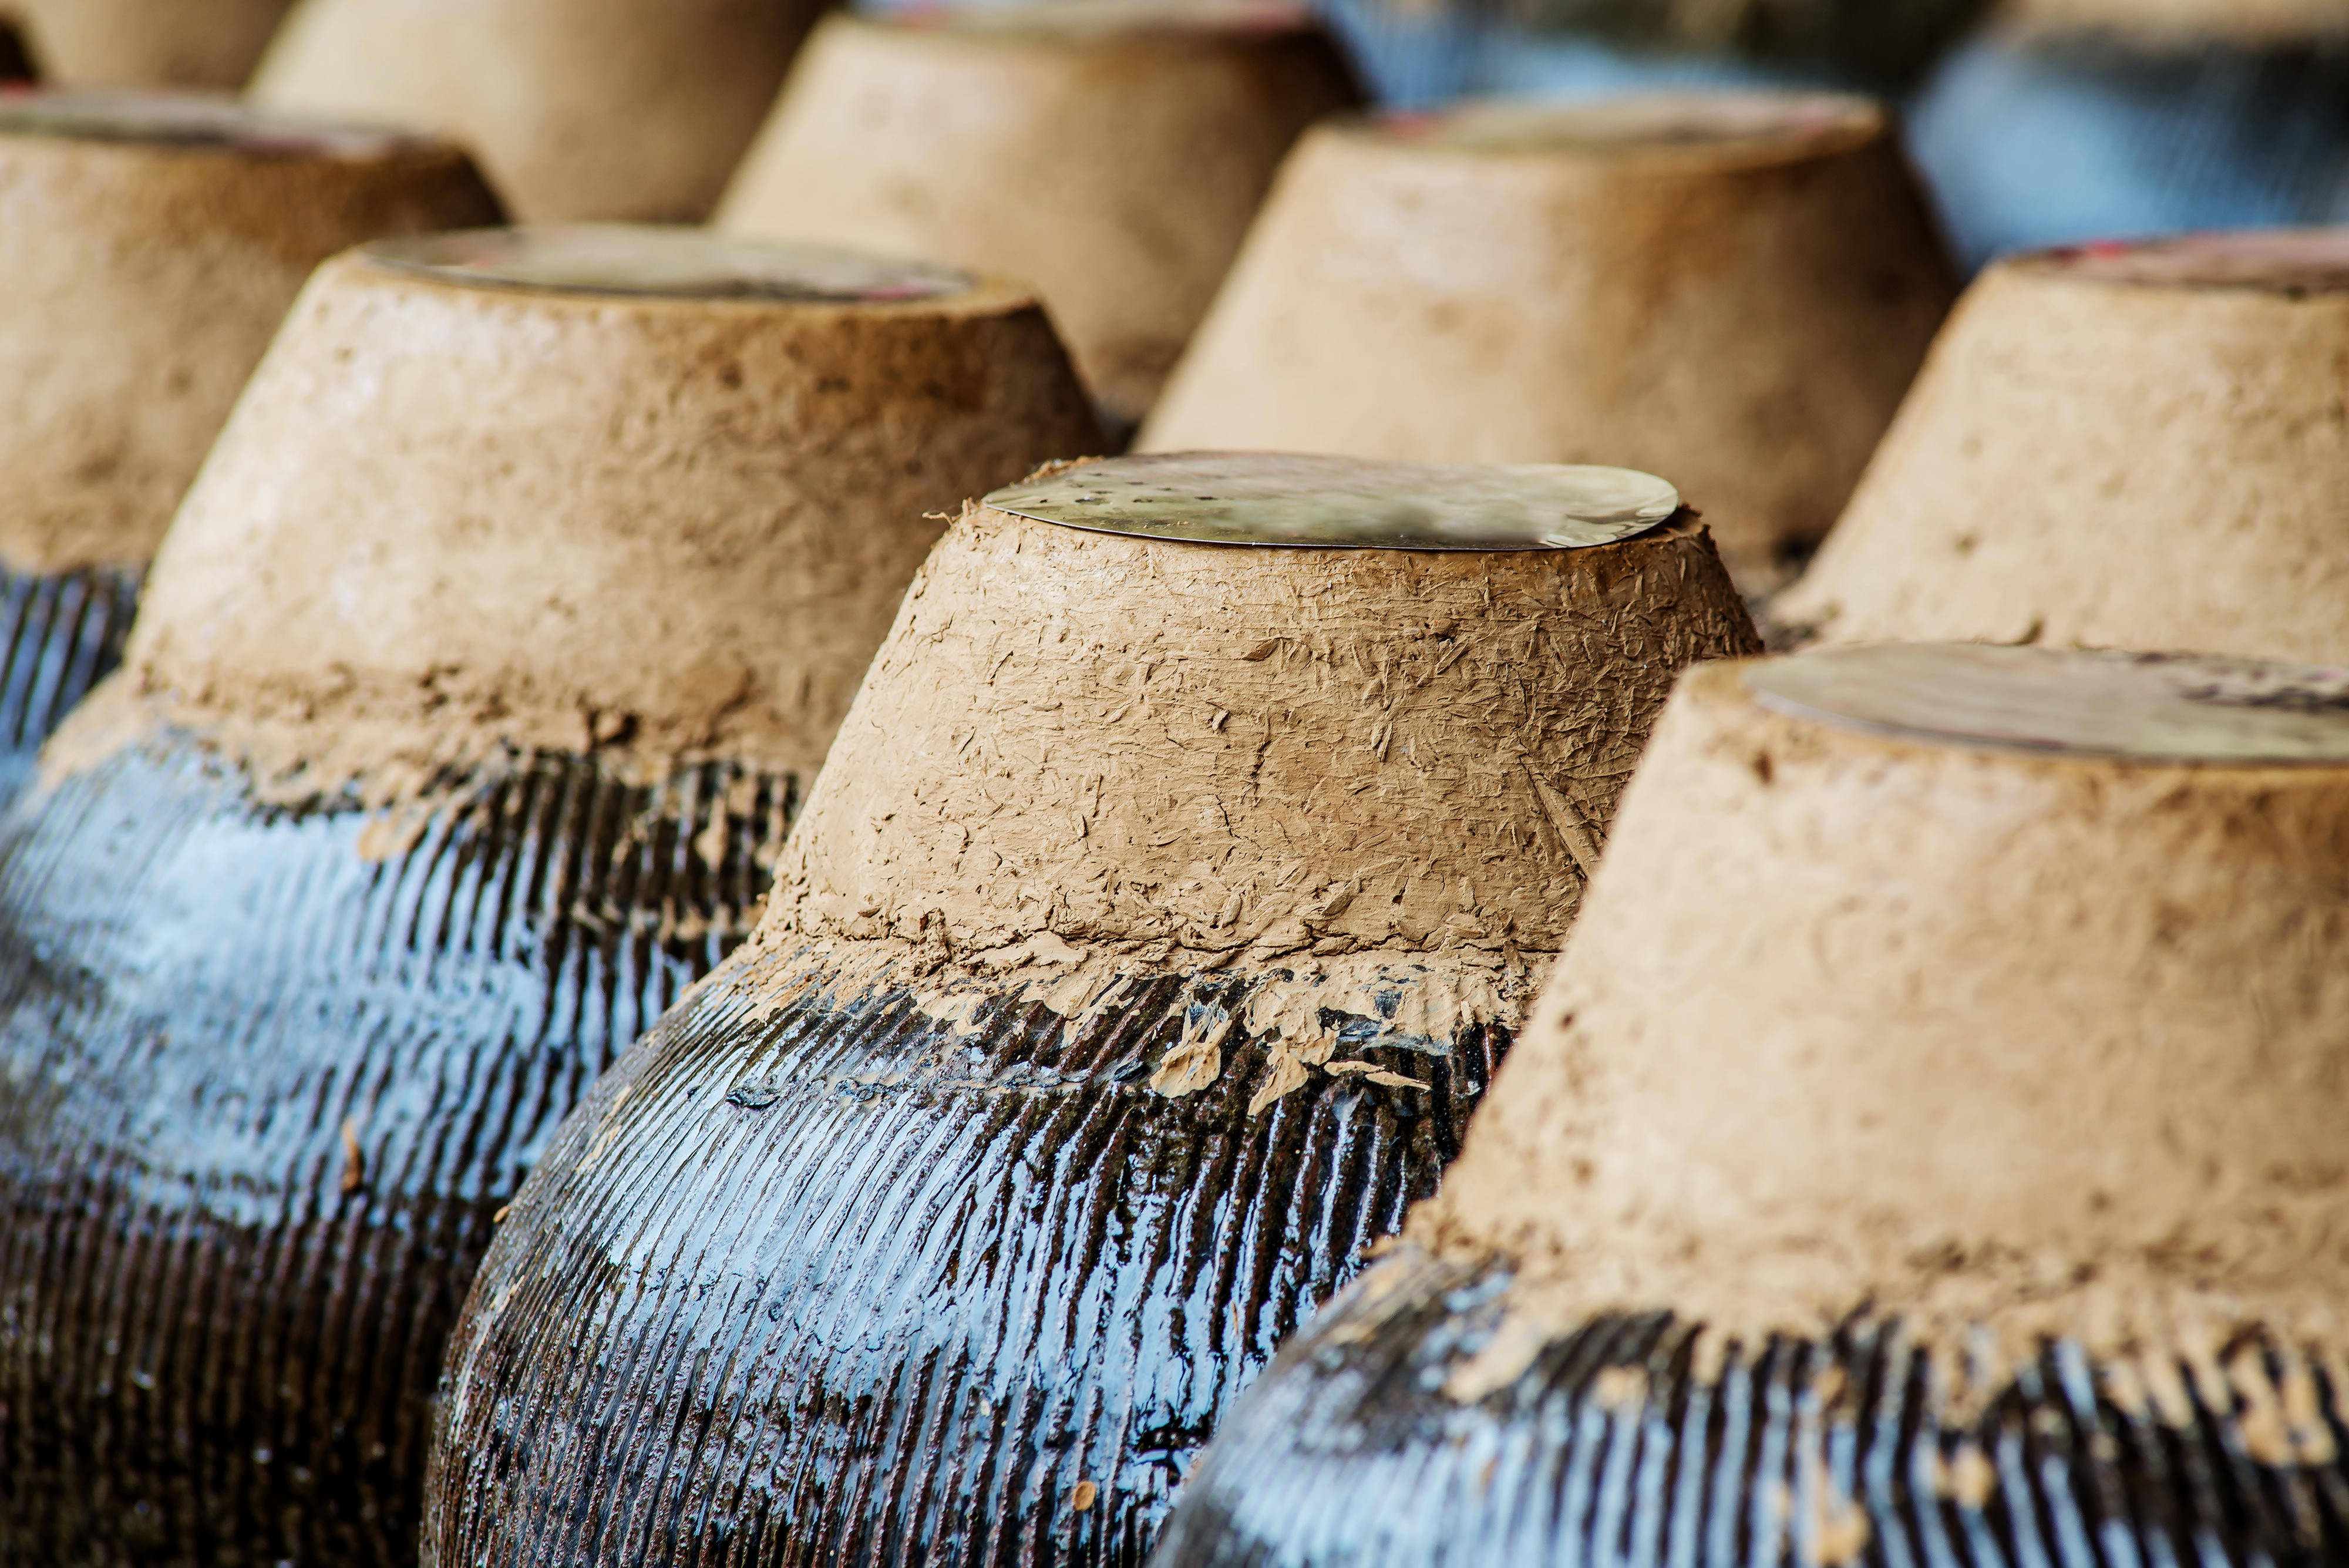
[[1343, 502], [186, 120], [664, 263], [2282, 261], [2130, 707], [1645, 122]]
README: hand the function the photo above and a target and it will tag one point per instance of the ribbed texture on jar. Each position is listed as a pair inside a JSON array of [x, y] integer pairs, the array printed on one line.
[[1213, 748], [2102, 463], [579, 109], [268, 1076], [145, 281], [675, 526], [1741, 315], [149, 43], [1851, 1020], [1115, 169], [1639, 1436]]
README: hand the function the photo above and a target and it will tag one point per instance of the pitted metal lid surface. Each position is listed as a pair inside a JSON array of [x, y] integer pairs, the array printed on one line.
[[1343, 502], [188, 120], [2127, 707], [670, 262]]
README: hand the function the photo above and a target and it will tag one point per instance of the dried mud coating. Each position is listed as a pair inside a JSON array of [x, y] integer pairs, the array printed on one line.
[[1923, 1143], [632, 110], [2072, 1011], [1729, 290], [2141, 447], [1118, 987], [468, 707], [505, 492], [1111, 155], [2183, 23], [150, 246], [148, 43]]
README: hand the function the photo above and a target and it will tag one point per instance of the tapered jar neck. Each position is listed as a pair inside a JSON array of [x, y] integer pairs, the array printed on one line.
[[1212, 748], [593, 487], [1858, 1016]]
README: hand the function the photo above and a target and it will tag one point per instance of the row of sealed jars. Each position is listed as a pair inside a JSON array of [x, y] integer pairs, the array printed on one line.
[[1179, 876], [1116, 992], [1109, 998]]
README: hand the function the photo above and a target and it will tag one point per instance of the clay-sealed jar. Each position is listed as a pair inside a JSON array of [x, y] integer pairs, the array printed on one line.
[[1733, 288], [470, 700], [2174, 25], [1111, 153], [2116, 446], [634, 110], [1174, 887], [148, 43], [1926, 1150], [149, 245]]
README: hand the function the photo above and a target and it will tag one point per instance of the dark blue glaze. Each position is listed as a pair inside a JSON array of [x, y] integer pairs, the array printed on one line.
[[1613, 1448], [219, 1330], [819, 1278]]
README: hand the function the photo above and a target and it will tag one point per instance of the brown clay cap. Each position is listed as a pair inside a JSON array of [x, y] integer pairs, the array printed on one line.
[[2282, 261], [642, 262], [188, 120], [2126, 707], [1326, 503], [1711, 124]]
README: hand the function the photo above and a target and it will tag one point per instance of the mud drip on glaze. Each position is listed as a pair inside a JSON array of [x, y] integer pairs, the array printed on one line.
[[234, 1365], [759, 1187], [1628, 1442]]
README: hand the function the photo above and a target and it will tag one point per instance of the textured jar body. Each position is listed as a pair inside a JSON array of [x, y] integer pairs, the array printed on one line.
[[1629, 1439], [1015, 1286], [272, 1071]]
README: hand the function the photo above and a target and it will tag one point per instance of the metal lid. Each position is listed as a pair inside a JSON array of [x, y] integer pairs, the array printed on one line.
[[2282, 261], [1643, 122], [2135, 707], [186, 120], [1343, 502], [663, 263]]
